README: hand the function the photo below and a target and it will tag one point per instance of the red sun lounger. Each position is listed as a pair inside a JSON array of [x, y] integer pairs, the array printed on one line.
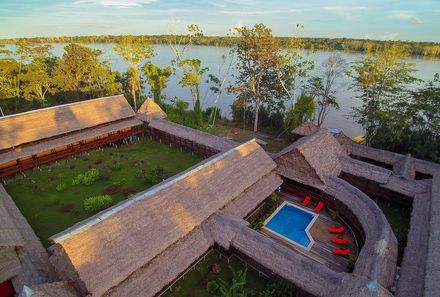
[[336, 229], [341, 252], [319, 206], [306, 200], [338, 240]]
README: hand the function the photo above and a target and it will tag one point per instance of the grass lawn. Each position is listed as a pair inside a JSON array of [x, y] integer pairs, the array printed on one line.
[[49, 211], [194, 283]]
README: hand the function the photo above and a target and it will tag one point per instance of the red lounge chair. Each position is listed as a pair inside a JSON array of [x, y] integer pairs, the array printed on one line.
[[319, 206], [306, 200], [341, 252], [336, 229], [338, 240]]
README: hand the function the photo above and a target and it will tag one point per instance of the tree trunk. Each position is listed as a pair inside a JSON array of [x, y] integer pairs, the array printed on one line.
[[257, 111]]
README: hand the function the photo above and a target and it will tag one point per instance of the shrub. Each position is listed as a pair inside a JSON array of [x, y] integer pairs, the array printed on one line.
[[333, 213], [116, 166], [78, 179], [77, 213], [66, 207], [98, 161], [110, 190], [51, 177], [87, 178], [61, 187], [212, 287], [351, 261], [155, 175], [274, 198], [96, 203]]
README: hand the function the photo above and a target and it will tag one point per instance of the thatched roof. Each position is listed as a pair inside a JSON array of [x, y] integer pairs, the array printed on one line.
[[47, 145], [109, 247], [432, 284], [310, 158], [56, 289], [305, 129], [217, 143], [9, 263], [44, 123], [149, 110], [16, 233], [9, 233]]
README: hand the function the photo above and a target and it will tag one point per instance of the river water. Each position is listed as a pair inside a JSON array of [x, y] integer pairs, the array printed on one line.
[[213, 58]]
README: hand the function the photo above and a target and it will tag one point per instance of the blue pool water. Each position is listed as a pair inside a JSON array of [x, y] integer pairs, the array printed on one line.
[[291, 222]]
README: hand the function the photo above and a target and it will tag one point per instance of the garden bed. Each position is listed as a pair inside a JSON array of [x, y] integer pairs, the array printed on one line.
[[52, 197], [217, 275]]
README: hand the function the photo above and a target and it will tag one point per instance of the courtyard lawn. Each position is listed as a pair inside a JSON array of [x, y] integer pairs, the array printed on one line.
[[195, 282], [50, 210]]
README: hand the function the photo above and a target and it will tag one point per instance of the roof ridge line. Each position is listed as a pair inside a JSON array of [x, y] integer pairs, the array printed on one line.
[[57, 106], [87, 223]]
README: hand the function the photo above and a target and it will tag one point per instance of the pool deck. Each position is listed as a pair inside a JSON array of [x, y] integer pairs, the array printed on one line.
[[321, 251]]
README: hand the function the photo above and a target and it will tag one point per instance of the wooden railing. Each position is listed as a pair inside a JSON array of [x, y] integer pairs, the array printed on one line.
[[69, 150]]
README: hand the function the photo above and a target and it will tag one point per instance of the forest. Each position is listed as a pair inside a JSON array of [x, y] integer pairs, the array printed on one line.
[[273, 84], [425, 49]]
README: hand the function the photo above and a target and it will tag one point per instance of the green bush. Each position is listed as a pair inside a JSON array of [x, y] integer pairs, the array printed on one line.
[[96, 203], [78, 179], [87, 178], [153, 176], [116, 166], [212, 287], [61, 187]]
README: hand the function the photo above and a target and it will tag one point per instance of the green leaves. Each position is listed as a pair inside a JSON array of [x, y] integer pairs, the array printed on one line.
[[157, 79], [134, 50]]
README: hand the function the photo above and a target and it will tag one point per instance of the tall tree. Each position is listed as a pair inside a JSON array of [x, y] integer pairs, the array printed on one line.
[[37, 78], [192, 74], [133, 83], [134, 50], [26, 51], [322, 85], [381, 80], [260, 59], [157, 79], [303, 111], [9, 69], [80, 71]]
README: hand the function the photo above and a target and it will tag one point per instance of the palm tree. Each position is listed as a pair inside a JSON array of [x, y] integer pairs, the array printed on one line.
[[192, 74]]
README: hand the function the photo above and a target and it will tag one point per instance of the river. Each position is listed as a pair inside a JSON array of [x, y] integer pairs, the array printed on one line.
[[212, 57]]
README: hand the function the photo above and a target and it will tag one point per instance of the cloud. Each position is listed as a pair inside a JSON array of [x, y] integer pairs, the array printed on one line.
[[113, 3], [345, 11], [258, 12], [404, 15]]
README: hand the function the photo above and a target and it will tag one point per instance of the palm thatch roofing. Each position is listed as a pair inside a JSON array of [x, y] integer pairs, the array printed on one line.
[[9, 263], [211, 141], [44, 123], [53, 143], [149, 110], [18, 237], [305, 129], [310, 158], [106, 249], [55, 289]]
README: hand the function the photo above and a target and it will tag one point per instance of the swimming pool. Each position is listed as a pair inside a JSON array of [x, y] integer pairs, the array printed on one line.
[[292, 224]]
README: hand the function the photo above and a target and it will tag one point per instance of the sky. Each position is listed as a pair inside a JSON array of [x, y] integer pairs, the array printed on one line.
[[417, 20]]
